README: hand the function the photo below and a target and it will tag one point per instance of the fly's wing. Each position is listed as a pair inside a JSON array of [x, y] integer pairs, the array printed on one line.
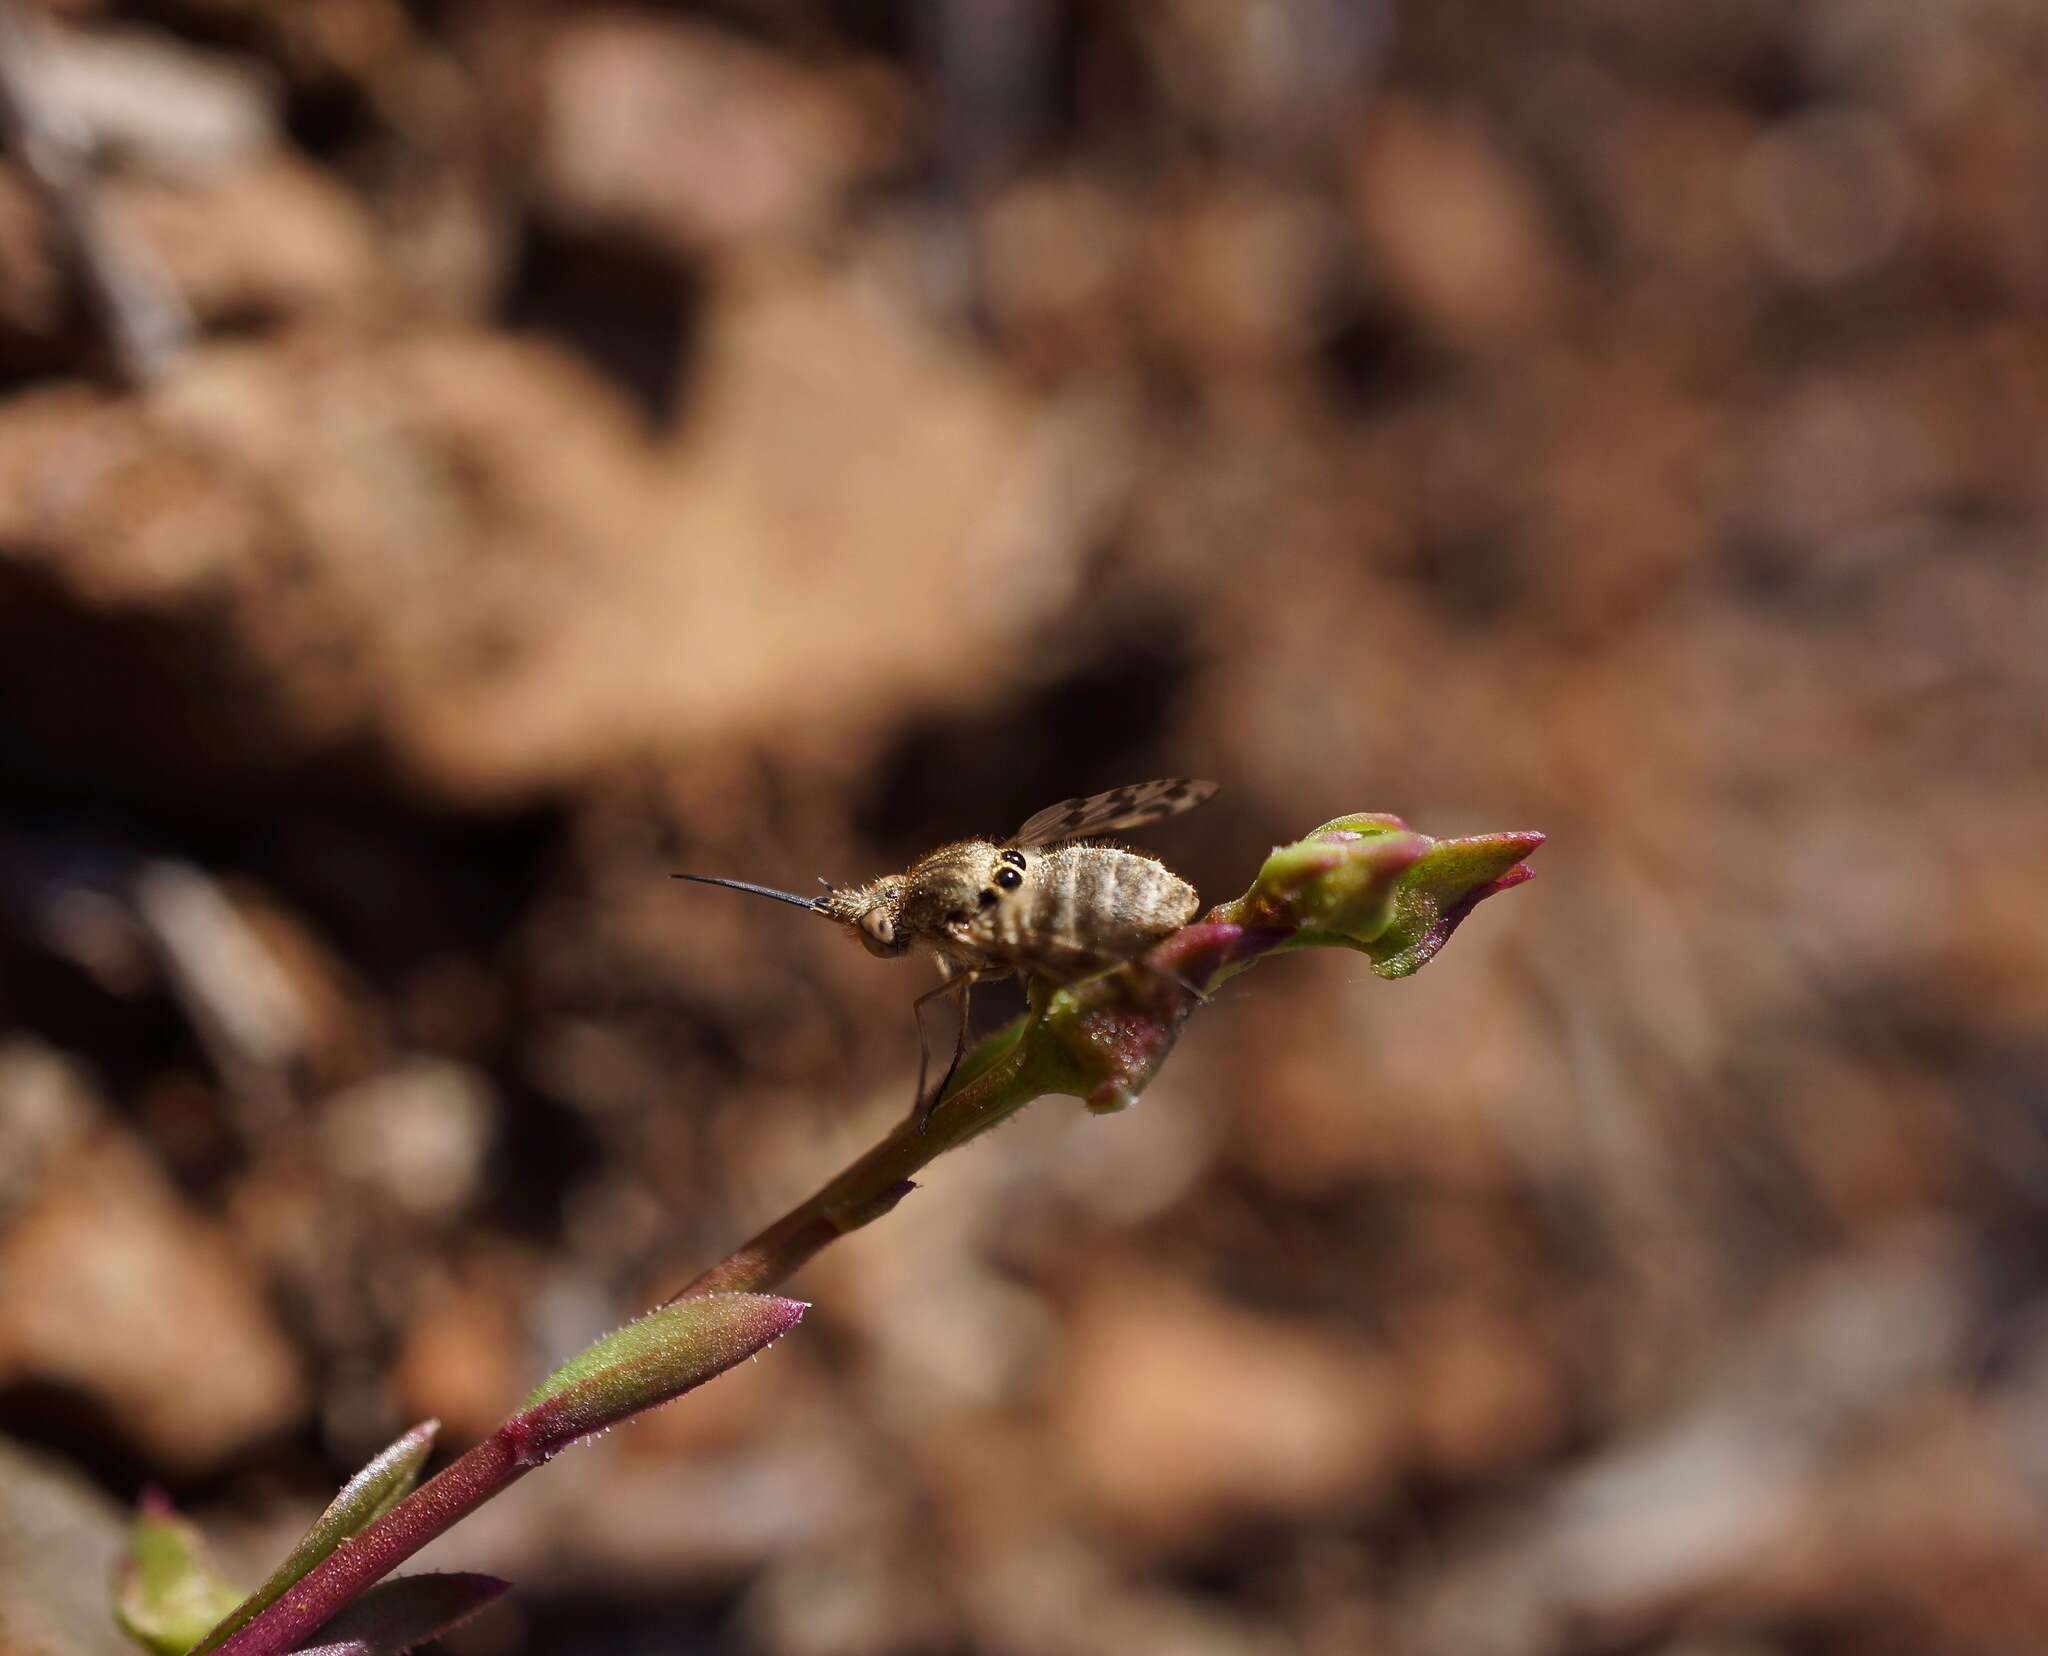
[[1112, 812]]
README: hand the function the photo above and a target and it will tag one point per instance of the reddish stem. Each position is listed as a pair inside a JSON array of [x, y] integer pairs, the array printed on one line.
[[1191, 962], [493, 1466]]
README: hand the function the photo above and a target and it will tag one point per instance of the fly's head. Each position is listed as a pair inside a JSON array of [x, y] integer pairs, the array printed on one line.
[[933, 906], [873, 913], [948, 890]]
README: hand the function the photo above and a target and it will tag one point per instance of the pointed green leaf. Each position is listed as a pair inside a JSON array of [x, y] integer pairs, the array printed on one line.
[[167, 1594], [365, 1498], [1433, 896], [1335, 885], [1370, 883], [650, 1360]]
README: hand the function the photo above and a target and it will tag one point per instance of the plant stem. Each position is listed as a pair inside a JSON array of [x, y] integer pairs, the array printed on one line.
[[650, 1360], [1363, 882], [454, 1492], [1020, 1063]]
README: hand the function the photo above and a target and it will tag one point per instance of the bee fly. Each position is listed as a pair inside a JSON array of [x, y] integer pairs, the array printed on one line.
[[1036, 903]]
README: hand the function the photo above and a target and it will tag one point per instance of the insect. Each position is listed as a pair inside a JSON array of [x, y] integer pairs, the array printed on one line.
[[1041, 902]]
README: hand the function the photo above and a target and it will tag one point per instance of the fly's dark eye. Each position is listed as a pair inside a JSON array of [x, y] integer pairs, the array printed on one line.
[[1014, 858], [987, 896], [1009, 879]]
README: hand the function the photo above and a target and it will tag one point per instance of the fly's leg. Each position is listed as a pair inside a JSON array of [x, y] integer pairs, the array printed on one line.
[[924, 1051], [925, 1103], [1144, 964], [1087, 967]]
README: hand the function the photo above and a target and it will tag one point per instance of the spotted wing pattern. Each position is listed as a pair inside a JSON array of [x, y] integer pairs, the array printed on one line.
[[1112, 812]]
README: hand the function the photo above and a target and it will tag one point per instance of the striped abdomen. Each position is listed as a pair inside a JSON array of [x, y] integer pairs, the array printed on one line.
[[1083, 907]]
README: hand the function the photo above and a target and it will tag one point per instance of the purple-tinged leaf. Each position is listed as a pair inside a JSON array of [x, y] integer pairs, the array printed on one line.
[[365, 1498], [1433, 896], [1371, 883], [1335, 886], [1365, 882], [166, 1595], [651, 1360], [394, 1616]]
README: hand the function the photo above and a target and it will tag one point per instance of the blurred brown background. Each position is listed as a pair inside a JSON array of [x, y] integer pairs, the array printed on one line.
[[770, 437]]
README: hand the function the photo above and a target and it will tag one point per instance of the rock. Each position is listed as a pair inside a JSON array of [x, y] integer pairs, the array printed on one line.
[[110, 1286], [149, 100], [46, 1108], [1830, 195], [465, 1359], [60, 1540], [418, 1133], [341, 542], [1176, 1412], [1054, 261], [300, 542], [266, 240], [1480, 1391], [239, 998], [1239, 276], [32, 290], [1430, 1110], [848, 498], [1726, 1491], [1460, 232], [682, 136]]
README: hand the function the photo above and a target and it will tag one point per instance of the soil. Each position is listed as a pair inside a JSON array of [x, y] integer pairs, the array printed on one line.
[[769, 440]]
